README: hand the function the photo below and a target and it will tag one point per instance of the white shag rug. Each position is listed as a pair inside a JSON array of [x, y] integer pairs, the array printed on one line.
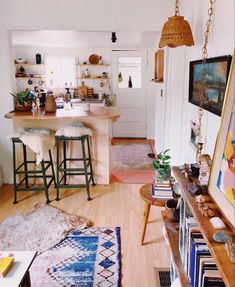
[[38, 230], [131, 156]]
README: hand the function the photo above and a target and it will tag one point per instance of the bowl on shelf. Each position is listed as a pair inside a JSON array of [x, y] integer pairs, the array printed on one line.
[[94, 59], [20, 61]]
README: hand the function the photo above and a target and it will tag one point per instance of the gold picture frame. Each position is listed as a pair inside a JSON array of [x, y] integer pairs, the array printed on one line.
[[223, 193]]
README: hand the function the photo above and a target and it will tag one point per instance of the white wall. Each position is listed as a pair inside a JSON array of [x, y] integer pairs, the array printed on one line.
[[179, 111]]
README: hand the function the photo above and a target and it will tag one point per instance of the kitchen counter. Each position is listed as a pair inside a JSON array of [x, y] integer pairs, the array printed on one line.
[[99, 119], [95, 113]]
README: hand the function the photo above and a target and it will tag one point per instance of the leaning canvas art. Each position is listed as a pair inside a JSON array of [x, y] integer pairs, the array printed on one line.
[[217, 70], [227, 170], [221, 184]]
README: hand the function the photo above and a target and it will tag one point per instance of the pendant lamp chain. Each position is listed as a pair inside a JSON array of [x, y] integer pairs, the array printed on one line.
[[202, 87], [177, 8]]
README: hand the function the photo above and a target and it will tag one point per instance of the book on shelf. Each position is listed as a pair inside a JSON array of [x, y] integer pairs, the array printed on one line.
[[212, 280], [162, 184], [200, 251], [205, 263], [196, 241], [5, 264], [161, 194]]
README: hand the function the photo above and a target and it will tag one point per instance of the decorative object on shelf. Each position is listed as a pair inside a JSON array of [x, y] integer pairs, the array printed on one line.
[[104, 75], [87, 74], [129, 82], [202, 83], [50, 104], [207, 210], [194, 189], [113, 37], [173, 206], [205, 168], [159, 66], [230, 248], [120, 79], [101, 83], [94, 59], [30, 82], [38, 59], [83, 90], [20, 61], [221, 237], [176, 31], [162, 166], [216, 76], [221, 183], [100, 61], [202, 198], [217, 223], [24, 100]]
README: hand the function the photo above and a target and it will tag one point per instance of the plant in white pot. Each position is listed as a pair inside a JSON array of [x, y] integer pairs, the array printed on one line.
[[162, 166]]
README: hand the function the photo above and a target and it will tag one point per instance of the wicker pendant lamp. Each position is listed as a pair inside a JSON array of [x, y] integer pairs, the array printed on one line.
[[176, 31]]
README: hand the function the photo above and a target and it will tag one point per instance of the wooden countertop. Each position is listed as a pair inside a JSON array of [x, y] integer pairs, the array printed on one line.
[[111, 113]]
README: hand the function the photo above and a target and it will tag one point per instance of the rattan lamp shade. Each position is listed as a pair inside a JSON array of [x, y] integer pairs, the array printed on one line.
[[176, 32]]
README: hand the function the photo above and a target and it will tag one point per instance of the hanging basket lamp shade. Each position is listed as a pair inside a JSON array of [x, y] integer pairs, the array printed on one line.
[[176, 31]]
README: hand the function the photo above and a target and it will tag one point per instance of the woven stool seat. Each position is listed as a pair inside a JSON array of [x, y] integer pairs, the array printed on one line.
[[40, 142]]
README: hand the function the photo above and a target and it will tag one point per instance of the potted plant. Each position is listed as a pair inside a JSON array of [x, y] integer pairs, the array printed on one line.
[[24, 100], [162, 166]]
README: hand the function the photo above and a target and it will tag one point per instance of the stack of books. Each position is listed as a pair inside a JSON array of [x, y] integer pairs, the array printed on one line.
[[200, 266], [162, 189], [5, 264]]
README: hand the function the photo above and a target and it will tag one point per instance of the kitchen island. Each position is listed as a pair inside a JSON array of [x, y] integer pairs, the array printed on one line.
[[99, 119]]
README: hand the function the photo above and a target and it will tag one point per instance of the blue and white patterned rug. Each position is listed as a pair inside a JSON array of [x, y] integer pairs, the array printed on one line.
[[85, 258]]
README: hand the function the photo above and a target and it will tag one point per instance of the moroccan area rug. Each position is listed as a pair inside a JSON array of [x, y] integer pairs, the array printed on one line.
[[85, 258], [38, 230], [131, 156]]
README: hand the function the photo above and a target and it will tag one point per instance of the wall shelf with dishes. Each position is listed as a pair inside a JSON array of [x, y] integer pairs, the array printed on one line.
[[29, 75]]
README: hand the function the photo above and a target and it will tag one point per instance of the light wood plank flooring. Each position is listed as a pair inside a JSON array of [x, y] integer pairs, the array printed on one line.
[[114, 205]]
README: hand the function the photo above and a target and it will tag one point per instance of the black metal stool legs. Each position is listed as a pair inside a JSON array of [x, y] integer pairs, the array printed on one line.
[[85, 169], [90, 162], [57, 169], [26, 172], [64, 169], [14, 172]]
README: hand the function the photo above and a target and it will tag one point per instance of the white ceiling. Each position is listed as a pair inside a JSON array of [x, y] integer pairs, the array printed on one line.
[[59, 38]]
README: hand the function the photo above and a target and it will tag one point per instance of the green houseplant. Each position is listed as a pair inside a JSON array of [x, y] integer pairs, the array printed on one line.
[[24, 100], [162, 166]]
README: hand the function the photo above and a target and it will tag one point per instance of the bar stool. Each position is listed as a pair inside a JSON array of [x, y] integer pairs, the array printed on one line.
[[77, 133], [40, 141]]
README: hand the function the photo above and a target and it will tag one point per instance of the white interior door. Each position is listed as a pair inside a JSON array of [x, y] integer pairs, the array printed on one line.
[[129, 70]]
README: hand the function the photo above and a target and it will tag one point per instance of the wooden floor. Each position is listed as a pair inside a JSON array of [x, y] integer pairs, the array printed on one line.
[[114, 205]]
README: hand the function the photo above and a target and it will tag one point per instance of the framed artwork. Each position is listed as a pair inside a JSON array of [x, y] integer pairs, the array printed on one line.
[[217, 70], [222, 183]]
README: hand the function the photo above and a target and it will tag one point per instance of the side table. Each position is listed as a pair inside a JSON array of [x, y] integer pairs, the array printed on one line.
[[146, 196], [18, 275]]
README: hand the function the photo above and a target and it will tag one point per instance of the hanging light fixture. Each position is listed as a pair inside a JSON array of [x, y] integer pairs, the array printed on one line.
[[114, 37], [202, 86], [176, 31]]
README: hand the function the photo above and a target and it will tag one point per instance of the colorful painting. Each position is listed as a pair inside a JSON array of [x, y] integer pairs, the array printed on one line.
[[222, 178], [216, 79], [227, 171]]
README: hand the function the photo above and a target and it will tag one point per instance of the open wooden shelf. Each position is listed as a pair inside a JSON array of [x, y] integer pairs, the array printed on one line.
[[92, 78], [172, 231], [156, 81], [28, 64], [218, 252], [93, 65], [30, 77]]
